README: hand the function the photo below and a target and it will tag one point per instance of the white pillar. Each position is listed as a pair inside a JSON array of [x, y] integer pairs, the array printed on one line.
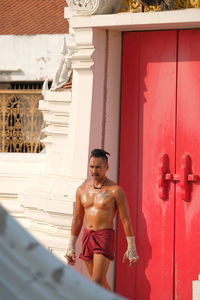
[[82, 87], [196, 289]]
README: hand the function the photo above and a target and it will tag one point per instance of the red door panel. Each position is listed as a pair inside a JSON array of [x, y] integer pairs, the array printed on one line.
[[187, 231], [147, 130], [129, 169]]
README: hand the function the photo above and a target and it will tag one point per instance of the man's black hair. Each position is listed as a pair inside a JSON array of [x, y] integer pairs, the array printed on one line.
[[100, 153]]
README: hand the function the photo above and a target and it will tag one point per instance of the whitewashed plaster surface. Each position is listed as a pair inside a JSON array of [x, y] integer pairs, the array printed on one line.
[[17, 173], [35, 56]]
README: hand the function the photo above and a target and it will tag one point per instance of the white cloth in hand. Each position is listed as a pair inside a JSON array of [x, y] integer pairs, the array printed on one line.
[[70, 252], [131, 252]]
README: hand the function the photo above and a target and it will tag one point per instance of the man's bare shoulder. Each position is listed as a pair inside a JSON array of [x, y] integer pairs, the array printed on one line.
[[84, 186], [115, 187]]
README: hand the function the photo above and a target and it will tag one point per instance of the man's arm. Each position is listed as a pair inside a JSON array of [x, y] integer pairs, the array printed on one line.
[[78, 215], [76, 226], [131, 252], [124, 211]]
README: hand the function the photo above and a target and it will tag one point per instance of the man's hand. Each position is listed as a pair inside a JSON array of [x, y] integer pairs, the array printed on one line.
[[70, 252], [131, 252], [70, 256]]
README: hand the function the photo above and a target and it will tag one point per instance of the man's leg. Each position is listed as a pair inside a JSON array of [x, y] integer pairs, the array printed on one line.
[[100, 268], [89, 265]]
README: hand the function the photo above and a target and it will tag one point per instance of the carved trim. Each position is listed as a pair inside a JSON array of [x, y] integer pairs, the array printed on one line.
[[93, 7], [82, 57], [64, 71]]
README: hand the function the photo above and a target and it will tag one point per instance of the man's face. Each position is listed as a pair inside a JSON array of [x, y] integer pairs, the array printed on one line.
[[98, 167]]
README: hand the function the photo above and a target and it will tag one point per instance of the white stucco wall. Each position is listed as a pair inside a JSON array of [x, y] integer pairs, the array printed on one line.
[[36, 55], [17, 173]]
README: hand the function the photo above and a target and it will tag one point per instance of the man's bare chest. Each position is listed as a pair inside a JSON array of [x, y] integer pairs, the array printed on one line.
[[98, 199]]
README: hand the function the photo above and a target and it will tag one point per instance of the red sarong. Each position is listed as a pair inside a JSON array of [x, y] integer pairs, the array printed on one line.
[[100, 241]]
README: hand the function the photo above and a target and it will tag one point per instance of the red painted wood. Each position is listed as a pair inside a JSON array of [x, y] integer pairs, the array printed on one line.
[[148, 129], [125, 276], [164, 177], [187, 244]]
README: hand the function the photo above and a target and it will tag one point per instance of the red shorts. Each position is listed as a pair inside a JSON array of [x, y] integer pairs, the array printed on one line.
[[100, 241]]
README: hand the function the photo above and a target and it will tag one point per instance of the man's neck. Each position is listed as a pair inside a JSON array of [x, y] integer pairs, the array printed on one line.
[[98, 184]]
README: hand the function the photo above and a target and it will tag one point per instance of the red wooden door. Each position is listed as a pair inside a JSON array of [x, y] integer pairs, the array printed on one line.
[[156, 116], [187, 226]]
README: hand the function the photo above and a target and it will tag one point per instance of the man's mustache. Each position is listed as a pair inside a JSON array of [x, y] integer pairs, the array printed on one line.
[[95, 174]]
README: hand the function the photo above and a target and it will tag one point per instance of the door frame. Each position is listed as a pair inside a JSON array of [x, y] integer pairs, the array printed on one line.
[[93, 34]]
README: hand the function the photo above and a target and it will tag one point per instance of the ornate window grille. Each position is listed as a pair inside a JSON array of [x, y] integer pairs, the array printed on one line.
[[157, 5], [21, 122]]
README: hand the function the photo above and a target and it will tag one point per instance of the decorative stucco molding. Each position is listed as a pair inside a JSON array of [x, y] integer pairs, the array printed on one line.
[[63, 77], [82, 58], [64, 69], [93, 7]]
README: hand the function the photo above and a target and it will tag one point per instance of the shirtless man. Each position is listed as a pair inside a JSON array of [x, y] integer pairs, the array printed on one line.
[[98, 200]]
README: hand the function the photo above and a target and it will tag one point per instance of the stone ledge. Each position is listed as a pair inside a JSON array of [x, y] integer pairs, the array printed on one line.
[[175, 19], [62, 96]]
